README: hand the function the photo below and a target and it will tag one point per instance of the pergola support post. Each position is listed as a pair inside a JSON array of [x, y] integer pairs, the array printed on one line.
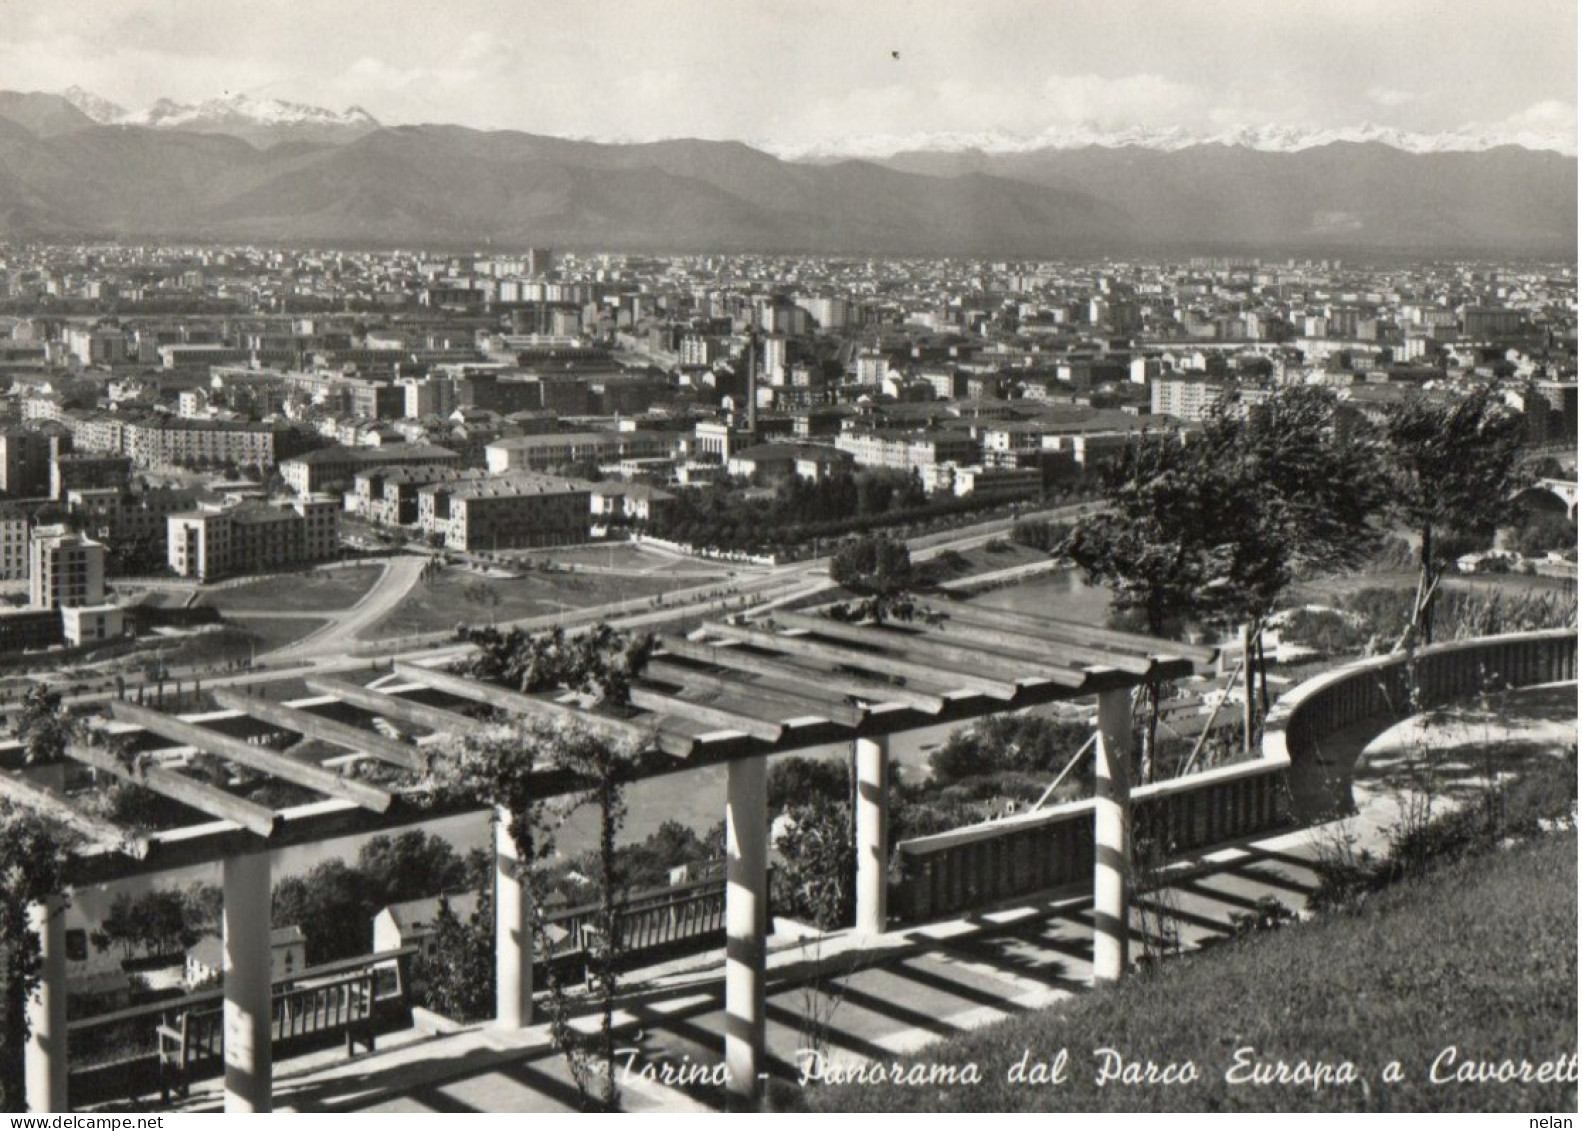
[[746, 923], [249, 1067], [45, 1054], [513, 933], [873, 845], [1112, 850]]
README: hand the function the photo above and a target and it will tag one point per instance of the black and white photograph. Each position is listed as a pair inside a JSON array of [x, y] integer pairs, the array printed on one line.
[[820, 556]]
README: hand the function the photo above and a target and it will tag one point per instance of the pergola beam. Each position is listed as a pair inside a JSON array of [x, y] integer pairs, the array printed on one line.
[[736, 659], [836, 657], [790, 704], [1018, 640], [198, 795], [924, 648], [310, 725], [1084, 634], [520, 704], [253, 757], [389, 705], [761, 729]]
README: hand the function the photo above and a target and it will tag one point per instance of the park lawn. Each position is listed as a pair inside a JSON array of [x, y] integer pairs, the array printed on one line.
[[443, 603], [1332, 590], [1481, 955], [314, 591], [240, 640]]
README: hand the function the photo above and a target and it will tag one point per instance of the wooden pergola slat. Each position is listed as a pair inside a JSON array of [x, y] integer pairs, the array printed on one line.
[[316, 726], [1055, 628], [792, 704], [761, 729], [1017, 642], [198, 795], [838, 657], [514, 701], [736, 659], [392, 706], [253, 757], [31, 795], [932, 646]]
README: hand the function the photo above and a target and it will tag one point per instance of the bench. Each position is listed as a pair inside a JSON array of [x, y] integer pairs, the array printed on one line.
[[338, 1002]]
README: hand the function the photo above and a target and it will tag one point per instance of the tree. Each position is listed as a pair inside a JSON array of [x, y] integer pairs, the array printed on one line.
[[45, 726], [457, 980], [880, 570], [412, 865], [1156, 546], [32, 857], [818, 854], [331, 904], [1453, 469], [1300, 495]]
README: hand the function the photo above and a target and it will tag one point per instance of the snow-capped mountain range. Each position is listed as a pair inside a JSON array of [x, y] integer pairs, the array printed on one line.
[[254, 119], [268, 120], [1266, 139]]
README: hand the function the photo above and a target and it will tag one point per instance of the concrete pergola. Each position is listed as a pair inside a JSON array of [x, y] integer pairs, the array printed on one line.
[[732, 693]]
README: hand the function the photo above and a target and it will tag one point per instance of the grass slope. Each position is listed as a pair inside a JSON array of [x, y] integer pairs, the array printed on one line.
[[1481, 955]]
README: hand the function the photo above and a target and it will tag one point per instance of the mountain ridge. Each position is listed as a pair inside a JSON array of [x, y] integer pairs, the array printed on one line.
[[455, 185]]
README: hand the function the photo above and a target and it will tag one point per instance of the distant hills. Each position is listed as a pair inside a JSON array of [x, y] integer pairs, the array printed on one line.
[[75, 166]]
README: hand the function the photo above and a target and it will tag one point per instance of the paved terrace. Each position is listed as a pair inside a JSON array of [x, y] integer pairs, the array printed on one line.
[[862, 997]]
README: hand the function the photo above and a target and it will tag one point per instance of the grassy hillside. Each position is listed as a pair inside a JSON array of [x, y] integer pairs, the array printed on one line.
[[1481, 956]]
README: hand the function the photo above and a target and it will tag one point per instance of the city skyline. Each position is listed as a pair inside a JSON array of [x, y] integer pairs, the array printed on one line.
[[835, 77]]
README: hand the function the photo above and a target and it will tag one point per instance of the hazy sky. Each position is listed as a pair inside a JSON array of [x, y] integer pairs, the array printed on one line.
[[804, 72]]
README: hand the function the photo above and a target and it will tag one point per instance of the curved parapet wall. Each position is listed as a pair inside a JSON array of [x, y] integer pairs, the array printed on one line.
[[1319, 725]]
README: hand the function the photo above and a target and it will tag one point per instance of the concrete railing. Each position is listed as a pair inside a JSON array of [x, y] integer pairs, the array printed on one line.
[[1319, 726], [978, 866], [981, 865]]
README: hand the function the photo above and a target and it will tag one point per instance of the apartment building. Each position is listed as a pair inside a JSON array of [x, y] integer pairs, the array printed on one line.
[[253, 537], [64, 569], [519, 512], [908, 451]]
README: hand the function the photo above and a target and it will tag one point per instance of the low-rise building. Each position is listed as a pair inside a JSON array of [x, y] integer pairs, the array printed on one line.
[[250, 537], [287, 956], [513, 513]]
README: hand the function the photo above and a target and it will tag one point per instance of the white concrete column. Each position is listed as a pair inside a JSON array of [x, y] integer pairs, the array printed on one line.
[[1249, 688], [746, 922], [45, 1054], [873, 833], [513, 934], [1112, 850], [249, 1066]]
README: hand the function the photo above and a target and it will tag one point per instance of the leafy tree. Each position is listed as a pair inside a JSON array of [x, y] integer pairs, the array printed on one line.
[[332, 906], [1300, 497], [1158, 546], [32, 854], [1453, 468], [819, 864], [45, 726], [601, 662], [792, 781], [880, 570], [412, 865], [1543, 531], [457, 980]]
